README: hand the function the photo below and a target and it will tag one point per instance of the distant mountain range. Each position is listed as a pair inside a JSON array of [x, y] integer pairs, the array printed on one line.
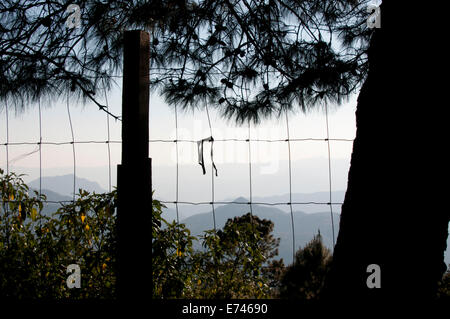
[[63, 184], [187, 210], [60, 189], [308, 219], [305, 225]]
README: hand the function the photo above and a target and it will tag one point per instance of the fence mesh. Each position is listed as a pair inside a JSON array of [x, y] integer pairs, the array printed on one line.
[[288, 140]]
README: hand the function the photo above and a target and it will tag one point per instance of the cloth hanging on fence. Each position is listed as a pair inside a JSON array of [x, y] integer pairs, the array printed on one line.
[[200, 153]]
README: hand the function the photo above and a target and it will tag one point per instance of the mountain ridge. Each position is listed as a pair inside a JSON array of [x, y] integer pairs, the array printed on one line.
[[307, 222], [63, 184], [314, 197], [305, 225]]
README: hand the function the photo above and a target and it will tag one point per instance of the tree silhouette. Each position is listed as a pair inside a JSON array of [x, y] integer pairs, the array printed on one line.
[[42, 56], [257, 59], [393, 115], [304, 279], [236, 262], [444, 286]]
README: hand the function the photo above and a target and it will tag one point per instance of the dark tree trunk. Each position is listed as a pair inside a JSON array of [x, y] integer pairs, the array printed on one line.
[[393, 213]]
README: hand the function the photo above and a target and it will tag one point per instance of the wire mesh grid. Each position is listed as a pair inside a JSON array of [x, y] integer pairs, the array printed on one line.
[[213, 202]]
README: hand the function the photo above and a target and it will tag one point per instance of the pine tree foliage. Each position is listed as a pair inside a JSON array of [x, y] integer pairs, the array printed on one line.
[[304, 279], [257, 59], [251, 59], [41, 56]]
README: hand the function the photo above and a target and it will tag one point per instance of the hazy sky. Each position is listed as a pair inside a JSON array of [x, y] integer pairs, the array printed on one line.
[[309, 158]]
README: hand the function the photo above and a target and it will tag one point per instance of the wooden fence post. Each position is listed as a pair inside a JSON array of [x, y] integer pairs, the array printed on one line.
[[134, 174]]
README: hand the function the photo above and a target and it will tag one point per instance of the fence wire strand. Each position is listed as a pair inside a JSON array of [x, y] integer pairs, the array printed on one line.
[[7, 138], [290, 189], [73, 149], [212, 169], [329, 175], [173, 141], [40, 148], [40, 155], [250, 172], [109, 139], [177, 164]]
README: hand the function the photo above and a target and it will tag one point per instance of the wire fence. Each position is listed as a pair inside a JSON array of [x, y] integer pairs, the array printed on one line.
[[40, 142], [250, 203], [213, 202]]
